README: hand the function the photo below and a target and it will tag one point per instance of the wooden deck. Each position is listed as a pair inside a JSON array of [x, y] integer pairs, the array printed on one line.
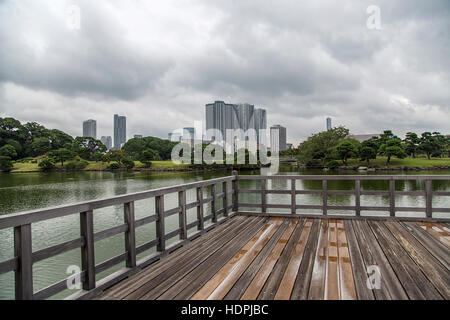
[[301, 258]]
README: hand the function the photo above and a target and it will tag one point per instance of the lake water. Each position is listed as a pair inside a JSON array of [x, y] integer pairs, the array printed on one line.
[[20, 192]]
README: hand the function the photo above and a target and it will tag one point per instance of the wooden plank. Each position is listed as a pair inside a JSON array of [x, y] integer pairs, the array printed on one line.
[[220, 284], [287, 283], [358, 197], [235, 190], [160, 224], [346, 281], [87, 251], [23, 252], [303, 280], [324, 197], [438, 275], [225, 198], [200, 218], [190, 250], [432, 229], [415, 284], [293, 195], [373, 255], [104, 234], [213, 204], [9, 265], [319, 273], [357, 263], [193, 281], [392, 197], [279, 239], [57, 249], [332, 288], [263, 196], [130, 237], [256, 285], [429, 198], [182, 219]]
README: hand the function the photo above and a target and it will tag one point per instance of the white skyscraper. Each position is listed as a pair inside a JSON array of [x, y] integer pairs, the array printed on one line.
[[277, 138], [90, 128]]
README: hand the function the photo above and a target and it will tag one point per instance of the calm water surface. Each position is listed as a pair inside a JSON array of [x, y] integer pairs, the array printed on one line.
[[20, 192]]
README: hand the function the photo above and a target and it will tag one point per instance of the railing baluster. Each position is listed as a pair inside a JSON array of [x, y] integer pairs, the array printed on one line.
[[130, 235], [324, 197], [213, 204], [263, 196], [182, 222], [429, 199], [201, 222], [357, 198], [293, 210], [392, 197], [24, 272], [87, 251], [225, 198], [235, 186], [160, 223]]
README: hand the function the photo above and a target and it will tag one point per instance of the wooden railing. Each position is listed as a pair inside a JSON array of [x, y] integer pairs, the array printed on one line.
[[24, 257], [357, 193]]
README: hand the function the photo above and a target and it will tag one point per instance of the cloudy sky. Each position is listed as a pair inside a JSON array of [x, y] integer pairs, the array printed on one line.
[[160, 62]]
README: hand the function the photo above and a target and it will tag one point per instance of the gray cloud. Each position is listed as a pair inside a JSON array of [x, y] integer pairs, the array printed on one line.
[[160, 63]]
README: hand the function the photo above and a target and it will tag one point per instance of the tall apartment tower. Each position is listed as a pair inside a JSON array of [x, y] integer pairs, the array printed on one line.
[[90, 128], [328, 124], [107, 141], [277, 138], [120, 131], [261, 124]]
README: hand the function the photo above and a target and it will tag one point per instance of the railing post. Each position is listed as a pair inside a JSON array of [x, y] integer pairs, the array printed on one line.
[[160, 223], [182, 216], [24, 273], [392, 197], [130, 235], [213, 204], [235, 187], [225, 198], [429, 199], [358, 197], [201, 221], [263, 195], [87, 251], [293, 210], [324, 197]]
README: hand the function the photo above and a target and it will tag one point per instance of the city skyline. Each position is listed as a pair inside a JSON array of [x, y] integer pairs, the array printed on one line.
[[332, 65]]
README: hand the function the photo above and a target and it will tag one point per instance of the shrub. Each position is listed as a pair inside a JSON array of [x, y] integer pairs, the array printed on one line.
[[147, 164], [5, 164], [47, 164], [114, 166], [76, 165], [332, 164], [129, 164]]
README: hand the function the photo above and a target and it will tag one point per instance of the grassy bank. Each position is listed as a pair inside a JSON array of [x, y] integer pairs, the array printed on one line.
[[33, 167], [407, 162]]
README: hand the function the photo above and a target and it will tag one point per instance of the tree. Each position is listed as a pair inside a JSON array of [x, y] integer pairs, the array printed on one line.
[[6, 164], [392, 147], [62, 155], [147, 156], [40, 146], [345, 150], [128, 163], [114, 155], [428, 144], [136, 146], [47, 164], [8, 151], [367, 153], [411, 144], [87, 147]]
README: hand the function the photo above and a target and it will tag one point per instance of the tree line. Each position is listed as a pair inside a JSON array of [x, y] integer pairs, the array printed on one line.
[[25, 142], [326, 148]]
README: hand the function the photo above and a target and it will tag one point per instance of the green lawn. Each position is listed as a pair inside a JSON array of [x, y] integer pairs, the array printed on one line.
[[407, 162], [22, 167]]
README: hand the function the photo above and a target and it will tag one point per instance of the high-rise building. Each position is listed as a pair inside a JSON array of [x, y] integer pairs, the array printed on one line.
[[120, 131], [107, 141], [138, 136], [222, 116], [174, 137], [328, 124], [277, 138], [261, 124], [90, 128]]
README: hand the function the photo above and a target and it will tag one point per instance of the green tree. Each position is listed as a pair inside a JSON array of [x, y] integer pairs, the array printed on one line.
[[40, 146], [411, 144], [47, 164], [128, 163], [87, 147], [62, 155], [345, 150], [392, 147], [114, 155], [8, 151], [147, 156], [6, 164], [428, 144], [367, 153]]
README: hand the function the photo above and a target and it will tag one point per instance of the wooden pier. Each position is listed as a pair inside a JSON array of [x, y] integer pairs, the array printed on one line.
[[230, 253]]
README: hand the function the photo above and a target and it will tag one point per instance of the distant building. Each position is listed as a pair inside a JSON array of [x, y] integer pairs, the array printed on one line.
[[363, 137], [138, 136], [107, 141], [277, 138], [90, 128], [174, 137], [288, 145], [328, 124], [120, 131]]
